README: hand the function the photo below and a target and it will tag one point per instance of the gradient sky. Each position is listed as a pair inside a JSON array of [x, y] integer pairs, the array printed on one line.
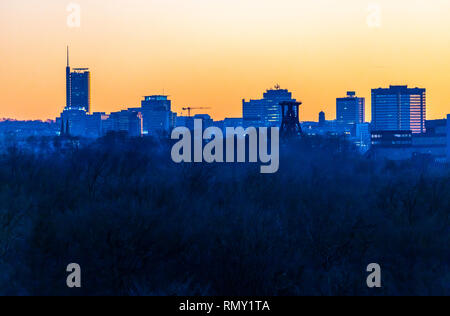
[[216, 52]]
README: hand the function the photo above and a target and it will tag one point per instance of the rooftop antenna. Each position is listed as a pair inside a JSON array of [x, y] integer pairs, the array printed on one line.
[[67, 55]]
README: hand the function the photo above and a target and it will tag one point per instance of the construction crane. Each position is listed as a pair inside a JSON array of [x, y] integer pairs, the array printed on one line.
[[189, 109]]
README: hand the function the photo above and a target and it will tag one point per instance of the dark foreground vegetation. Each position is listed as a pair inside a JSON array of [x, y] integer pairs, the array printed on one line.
[[140, 225]]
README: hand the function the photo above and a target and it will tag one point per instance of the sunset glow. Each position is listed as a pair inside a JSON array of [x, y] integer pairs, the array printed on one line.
[[216, 53]]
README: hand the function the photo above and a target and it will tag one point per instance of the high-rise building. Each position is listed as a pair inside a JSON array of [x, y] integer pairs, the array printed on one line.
[[157, 103], [156, 114], [78, 88], [351, 109], [399, 108], [266, 111]]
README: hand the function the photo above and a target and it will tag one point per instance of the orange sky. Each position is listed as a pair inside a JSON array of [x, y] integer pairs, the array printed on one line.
[[214, 53]]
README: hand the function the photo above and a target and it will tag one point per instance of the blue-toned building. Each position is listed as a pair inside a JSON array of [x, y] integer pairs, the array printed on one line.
[[78, 88], [399, 108], [404, 145], [448, 138], [351, 109], [73, 122], [362, 138], [157, 114], [127, 121], [322, 118], [266, 111]]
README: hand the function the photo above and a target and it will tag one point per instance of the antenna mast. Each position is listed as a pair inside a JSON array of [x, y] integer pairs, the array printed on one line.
[[68, 56]]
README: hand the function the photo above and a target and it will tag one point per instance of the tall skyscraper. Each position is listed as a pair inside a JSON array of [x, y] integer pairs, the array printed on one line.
[[399, 108], [266, 111], [351, 109], [78, 88]]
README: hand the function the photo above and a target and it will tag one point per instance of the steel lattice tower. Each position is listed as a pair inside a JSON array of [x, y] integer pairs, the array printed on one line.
[[290, 126]]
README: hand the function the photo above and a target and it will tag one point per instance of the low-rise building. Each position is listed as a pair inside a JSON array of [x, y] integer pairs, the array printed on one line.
[[404, 145], [124, 121]]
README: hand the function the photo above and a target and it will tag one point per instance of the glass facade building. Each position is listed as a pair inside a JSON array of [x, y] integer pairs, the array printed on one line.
[[157, 103], [351, 109], [399, 108], [267, 111], [157, 114], [78, 88]]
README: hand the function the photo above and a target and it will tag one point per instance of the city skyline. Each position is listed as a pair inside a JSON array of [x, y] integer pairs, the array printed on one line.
[[82, 90], [209, 149], [205, 59]]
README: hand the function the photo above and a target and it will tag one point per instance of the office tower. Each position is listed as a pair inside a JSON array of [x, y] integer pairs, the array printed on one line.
[[156, 114], [157, 103], [351, 109], [266, 111], [399, 108], [78, 90]]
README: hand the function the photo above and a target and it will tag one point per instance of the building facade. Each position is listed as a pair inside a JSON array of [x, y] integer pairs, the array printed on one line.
[[73, 122], [362, 137], [391, 139], [267, 111], [404, 145], [127, 121], [78, 88], [157, 114], [399, 108], [351, 109]]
